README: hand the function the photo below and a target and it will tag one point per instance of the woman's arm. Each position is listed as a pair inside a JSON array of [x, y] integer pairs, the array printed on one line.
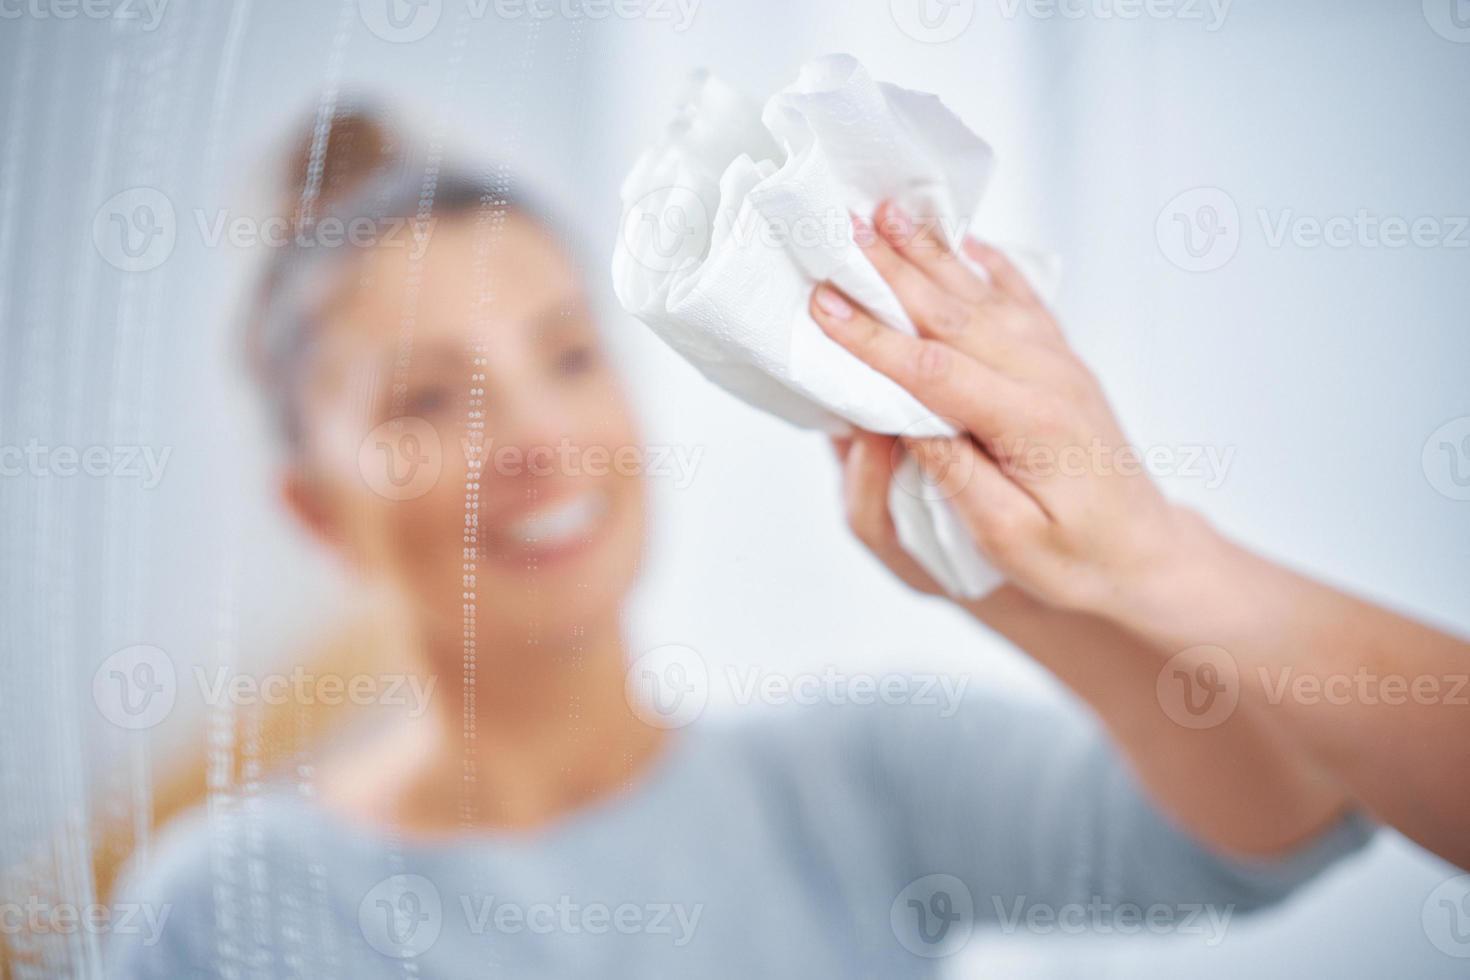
[[1378, 700], [1230, 783], [1214, 631]]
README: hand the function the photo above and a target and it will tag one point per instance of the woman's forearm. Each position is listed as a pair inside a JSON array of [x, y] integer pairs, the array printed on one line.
[[1229, 784], [1380, 702], [1233, 643]]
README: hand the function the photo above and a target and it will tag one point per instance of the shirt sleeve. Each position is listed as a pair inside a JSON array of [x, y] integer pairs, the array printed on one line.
[[1033, 808], [173, 896]]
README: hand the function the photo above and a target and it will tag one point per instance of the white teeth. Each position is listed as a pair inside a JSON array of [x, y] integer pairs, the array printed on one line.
[[561, 522]]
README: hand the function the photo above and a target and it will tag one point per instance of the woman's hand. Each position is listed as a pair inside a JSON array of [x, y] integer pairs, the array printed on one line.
[[868, 460], [1056, 498], [1044, 478]]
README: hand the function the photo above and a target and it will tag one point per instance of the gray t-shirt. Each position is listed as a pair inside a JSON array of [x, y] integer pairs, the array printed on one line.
[[843, 841]]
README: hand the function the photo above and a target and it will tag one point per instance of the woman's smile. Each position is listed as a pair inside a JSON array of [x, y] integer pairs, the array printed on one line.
[[548, 531]]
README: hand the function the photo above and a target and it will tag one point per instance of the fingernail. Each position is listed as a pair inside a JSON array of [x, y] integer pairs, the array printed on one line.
[[896, 222], [832, 304], [862, 233], [974, 248]]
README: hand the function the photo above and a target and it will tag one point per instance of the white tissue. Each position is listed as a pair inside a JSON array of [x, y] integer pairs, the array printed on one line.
[[737, 212]]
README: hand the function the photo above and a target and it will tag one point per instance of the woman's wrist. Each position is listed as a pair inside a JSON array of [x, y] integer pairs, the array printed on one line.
[[1178, 587]]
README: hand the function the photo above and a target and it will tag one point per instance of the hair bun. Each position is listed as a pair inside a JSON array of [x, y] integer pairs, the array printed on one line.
[[330, 159]]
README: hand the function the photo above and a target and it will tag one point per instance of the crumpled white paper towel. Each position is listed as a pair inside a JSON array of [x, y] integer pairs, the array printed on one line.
[[737, 212]]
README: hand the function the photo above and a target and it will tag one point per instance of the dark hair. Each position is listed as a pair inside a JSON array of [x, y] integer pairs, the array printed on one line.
[[348, 165]]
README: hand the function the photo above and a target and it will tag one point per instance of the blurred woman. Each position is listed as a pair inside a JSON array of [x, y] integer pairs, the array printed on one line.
[[451, 421]]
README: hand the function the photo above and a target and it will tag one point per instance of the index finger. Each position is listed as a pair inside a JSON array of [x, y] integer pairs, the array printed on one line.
[[942, 378]]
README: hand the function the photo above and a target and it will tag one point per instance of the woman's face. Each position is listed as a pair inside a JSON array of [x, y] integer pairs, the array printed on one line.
[[465, 433]]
